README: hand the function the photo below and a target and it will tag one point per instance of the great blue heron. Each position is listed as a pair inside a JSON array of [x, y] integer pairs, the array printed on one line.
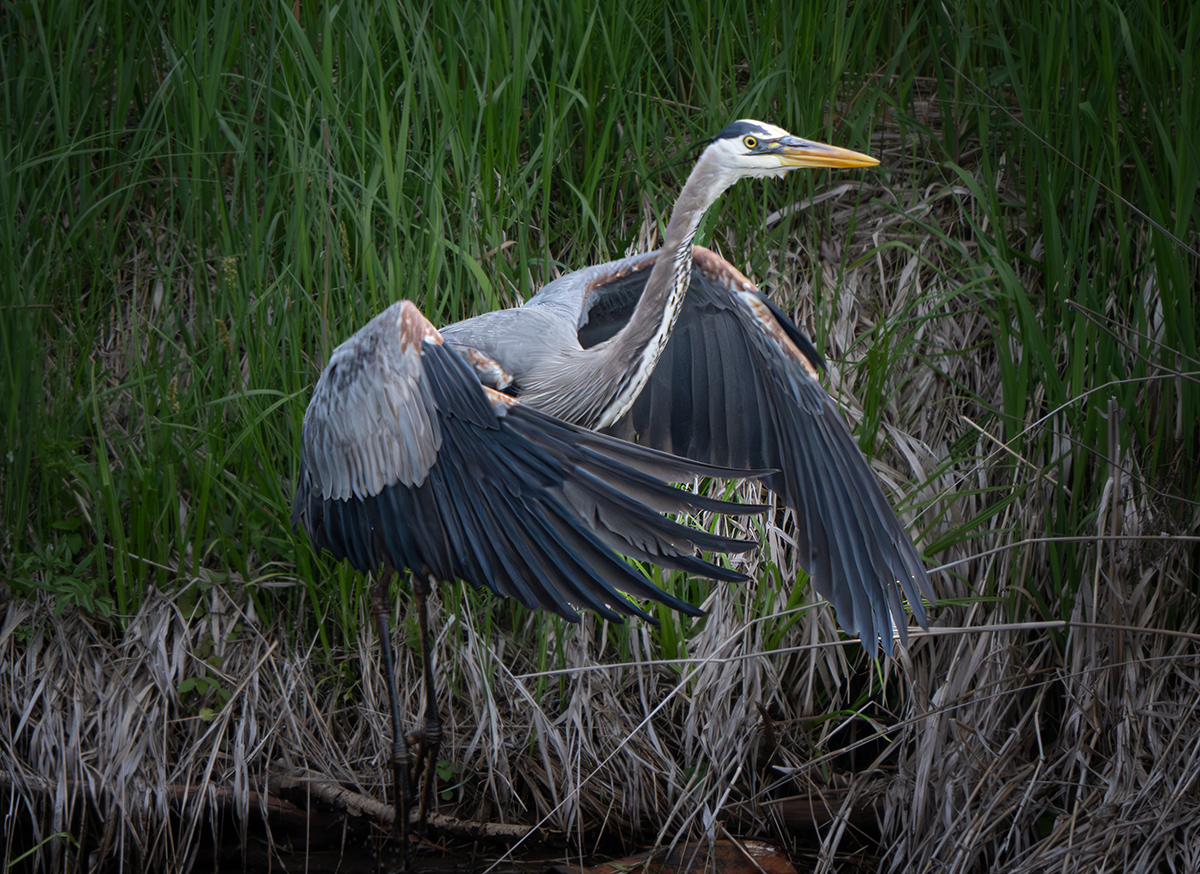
[[734, 384], [409, 462]]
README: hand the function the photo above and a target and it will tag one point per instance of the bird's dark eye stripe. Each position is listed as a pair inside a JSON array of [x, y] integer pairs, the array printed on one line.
[[738, 129]]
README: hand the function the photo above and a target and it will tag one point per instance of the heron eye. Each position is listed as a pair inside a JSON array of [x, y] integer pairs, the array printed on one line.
[[750, 143]]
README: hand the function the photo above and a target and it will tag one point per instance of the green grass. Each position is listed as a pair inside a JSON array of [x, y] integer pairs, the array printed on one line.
[[199, 202]]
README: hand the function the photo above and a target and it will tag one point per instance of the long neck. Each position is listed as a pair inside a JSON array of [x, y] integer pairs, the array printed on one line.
[[642, 340]]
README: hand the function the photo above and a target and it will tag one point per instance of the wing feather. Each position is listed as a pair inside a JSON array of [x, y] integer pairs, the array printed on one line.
[[367, 426], [406, 459], [737, 386]]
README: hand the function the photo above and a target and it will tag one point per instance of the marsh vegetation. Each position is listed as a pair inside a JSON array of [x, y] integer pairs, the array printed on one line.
[[198, 202]]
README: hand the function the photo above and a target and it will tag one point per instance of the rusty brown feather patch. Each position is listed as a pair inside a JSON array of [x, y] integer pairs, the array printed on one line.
[[488, 369], [608, 276], [415, 328], [499, 400], [719, 270]]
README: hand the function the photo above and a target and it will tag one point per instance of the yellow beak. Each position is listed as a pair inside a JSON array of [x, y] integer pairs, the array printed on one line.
[[795, 152]]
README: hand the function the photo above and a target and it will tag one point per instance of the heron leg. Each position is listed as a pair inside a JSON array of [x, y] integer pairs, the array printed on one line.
[[428, 739], [401, 780]]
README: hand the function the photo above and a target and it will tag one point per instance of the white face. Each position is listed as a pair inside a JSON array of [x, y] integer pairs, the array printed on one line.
[[749, 148], [751, 152]]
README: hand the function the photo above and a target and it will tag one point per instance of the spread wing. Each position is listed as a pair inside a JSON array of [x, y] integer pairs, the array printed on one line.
[[738, 386], [408, 460]]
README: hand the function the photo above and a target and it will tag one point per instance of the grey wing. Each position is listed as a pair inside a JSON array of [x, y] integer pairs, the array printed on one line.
[[737, 386], [459, 481], [368, 424]]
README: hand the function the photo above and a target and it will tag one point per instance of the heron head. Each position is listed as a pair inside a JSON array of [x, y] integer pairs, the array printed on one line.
[[748, 148]]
